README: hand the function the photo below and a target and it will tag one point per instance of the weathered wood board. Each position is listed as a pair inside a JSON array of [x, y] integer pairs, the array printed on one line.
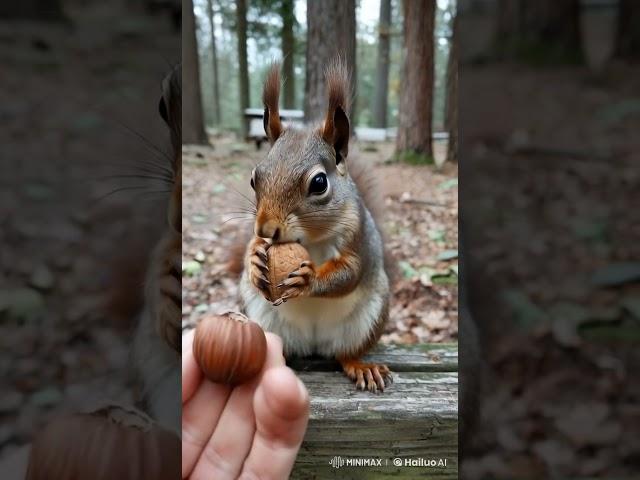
[[415, 419]]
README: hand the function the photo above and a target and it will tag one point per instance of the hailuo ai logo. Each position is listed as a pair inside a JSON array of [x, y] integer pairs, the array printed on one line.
[[337, 461]]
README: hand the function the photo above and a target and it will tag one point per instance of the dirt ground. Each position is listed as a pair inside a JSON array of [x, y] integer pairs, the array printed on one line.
[[420, 222], [551, 193]]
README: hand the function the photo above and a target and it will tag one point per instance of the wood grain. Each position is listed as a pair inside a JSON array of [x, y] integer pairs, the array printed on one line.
[[426, 357], [415, 418]]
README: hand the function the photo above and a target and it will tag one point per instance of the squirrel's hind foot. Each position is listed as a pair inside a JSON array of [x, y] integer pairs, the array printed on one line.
[[369, 376]]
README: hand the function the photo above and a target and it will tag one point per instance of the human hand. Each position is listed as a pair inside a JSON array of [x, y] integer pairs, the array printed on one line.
[[236, 432]]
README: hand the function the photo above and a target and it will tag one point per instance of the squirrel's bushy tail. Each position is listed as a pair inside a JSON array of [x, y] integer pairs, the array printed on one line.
[[370, 190]]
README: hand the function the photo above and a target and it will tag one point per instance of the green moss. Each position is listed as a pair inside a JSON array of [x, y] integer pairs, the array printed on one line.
[[414, 158]]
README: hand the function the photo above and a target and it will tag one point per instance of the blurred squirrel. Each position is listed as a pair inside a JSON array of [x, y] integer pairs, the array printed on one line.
[[337, 304], [157, 345]]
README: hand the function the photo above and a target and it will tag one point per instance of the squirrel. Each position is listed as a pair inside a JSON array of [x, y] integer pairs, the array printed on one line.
[[156, 346], [337, 304]]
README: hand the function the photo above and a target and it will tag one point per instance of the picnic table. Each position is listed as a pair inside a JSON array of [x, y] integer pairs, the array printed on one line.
[[255, 127]]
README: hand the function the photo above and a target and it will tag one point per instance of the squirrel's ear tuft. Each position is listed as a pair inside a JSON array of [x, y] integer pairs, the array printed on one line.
[[270, 98], [336, 129]]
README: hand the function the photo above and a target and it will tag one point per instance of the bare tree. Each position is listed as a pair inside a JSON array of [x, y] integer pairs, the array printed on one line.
[[416, 96], [288, 49], [382, 67], [217, 114], [192, 118], [451, 109], [331, 30], [241, 30]]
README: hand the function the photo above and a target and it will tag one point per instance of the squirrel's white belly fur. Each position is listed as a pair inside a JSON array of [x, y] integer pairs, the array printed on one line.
[[326, 326]]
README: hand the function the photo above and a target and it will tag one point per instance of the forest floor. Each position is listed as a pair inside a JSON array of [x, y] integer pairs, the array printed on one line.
[[551, 224], [420, 221]]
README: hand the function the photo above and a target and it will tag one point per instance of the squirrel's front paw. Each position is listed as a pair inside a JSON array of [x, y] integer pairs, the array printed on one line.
[[258, 266], [298, 283]]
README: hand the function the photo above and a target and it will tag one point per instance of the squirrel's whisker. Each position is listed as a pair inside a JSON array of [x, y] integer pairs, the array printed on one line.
[[153, 168], [240, 219], [149, 177], [145, 141], [117, 190], [243, 195]]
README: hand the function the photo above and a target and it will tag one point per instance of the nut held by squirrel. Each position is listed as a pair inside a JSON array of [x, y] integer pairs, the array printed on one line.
[[229, 348], [284, 258]]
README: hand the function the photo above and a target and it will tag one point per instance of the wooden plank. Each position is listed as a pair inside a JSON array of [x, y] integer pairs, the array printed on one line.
[[415, 418], [412, 394], [441, 357]]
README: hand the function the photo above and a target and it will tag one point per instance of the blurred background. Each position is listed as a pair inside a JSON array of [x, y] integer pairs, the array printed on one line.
[[80, 209], [548, 116]]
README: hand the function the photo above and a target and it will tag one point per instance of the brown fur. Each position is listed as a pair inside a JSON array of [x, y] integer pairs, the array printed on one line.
[[125, 298], [348, 261], [157, 346], [270, 96], [368, 184], [336, 130], [338, 80], [164, 288]]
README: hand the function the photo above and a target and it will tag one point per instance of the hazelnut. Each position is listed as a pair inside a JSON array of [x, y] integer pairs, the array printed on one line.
[[284, 258], [229, 348], [112, 442]]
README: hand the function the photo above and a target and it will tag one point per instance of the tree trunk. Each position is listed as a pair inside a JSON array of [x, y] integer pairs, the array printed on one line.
[[241, 21], [331, 30], [542, 30], [628, 44], [217, 115], [192, 119], [451, 110], [382, 68], [288, 51], [32, 10], [416, 96]]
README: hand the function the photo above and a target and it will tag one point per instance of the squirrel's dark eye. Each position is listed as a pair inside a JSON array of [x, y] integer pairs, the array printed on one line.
[[253, 184], [319, 184], [253, 179]]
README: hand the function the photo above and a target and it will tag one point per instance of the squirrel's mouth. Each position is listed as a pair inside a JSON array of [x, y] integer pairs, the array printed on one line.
[[286, 240]]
